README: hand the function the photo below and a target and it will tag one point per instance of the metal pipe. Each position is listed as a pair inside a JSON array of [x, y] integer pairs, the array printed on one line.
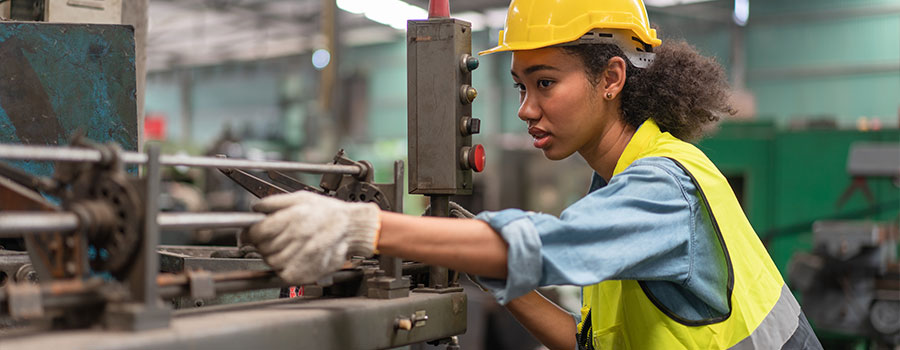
[[188, 221], [17, 224], [440, 207], [68, 154]]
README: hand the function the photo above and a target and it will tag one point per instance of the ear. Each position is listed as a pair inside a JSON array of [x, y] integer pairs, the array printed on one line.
[[613, 77]]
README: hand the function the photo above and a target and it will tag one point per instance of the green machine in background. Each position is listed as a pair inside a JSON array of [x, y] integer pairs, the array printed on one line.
[[787, 179], [790, 181]]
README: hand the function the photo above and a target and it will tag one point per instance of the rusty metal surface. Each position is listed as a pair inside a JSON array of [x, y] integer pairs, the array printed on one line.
[[58, 78]]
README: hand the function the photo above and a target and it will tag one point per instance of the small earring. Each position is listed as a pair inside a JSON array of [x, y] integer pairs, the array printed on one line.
[[609, 96]]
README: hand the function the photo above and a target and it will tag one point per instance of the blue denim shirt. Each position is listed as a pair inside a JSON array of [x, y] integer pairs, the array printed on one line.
[[648, 223]]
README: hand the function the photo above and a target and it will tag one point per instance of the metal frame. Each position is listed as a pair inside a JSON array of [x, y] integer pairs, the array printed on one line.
[[322, 324]]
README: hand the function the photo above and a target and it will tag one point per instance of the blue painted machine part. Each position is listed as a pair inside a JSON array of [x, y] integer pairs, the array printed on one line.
[[56, 79]]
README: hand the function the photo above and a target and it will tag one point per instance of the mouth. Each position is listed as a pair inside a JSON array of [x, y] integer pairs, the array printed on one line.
[[541, 137]]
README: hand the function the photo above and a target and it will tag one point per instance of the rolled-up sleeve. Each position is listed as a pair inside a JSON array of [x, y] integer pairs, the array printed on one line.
[[639, 227], [523, 255]]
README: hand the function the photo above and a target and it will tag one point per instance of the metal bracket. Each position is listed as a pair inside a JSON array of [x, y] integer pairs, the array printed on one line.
[[387, 287], [202, 284], [25, 300]]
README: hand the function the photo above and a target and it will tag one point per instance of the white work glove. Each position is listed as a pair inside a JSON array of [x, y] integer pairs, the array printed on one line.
[[307, 236]]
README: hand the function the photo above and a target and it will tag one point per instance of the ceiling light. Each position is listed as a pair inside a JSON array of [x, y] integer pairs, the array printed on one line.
[[321, 58], [394, 13], [741, 12]]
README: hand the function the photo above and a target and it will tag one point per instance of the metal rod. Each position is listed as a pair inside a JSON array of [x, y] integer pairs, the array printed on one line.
[[68, 154], [144, 286], [440, 207], [188, 221], [19, 223], [15, 224]]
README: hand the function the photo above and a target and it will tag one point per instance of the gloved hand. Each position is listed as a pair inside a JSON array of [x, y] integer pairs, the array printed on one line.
[[307, 236]]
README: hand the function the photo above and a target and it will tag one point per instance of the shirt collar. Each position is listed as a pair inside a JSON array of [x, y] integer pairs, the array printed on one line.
[[597, 182]]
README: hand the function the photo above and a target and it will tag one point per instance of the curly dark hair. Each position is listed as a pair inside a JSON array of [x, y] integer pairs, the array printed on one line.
[[685, 92]]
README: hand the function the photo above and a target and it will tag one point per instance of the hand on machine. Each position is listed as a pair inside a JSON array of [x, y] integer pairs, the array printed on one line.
[[307, 236]]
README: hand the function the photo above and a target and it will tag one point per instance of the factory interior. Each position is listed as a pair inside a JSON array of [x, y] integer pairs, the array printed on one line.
[[138, 139]]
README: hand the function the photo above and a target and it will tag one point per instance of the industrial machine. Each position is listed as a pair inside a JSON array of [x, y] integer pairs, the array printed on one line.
[[850, 282], [97, 262], [94, 275]]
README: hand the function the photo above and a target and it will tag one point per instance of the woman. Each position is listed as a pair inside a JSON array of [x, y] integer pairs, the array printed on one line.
[[666, 256]]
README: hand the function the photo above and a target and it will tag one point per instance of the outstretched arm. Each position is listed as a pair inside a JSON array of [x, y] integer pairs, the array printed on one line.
[[465, 245]]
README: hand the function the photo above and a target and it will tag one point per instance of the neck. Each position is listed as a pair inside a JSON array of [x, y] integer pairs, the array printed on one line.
[[603, 155]]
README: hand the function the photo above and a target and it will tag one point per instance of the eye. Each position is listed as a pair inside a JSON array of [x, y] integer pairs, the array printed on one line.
[[544, 83], [519, 86]]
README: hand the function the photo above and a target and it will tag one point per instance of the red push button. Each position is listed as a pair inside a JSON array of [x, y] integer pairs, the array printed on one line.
[[473, 158]]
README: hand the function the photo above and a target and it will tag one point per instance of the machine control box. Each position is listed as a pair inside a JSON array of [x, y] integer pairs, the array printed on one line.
[[439, 111]]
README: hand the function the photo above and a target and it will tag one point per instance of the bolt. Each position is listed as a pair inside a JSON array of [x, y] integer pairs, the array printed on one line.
[[26, 273], [31, 277]]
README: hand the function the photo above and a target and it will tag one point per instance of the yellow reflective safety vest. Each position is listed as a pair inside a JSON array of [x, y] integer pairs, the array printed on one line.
[[763, 312]]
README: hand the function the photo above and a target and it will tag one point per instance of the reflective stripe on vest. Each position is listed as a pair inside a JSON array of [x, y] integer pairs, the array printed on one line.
[[763, 313], [778, 326]]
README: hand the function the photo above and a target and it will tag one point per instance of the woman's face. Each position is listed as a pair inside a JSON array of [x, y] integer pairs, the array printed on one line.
[[564, 111]]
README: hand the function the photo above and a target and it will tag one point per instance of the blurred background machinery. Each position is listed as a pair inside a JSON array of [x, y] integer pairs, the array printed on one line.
[[296, 80], [850, 282]]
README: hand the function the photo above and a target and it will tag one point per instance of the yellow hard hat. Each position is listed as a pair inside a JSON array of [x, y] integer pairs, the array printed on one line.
[[533, 24]]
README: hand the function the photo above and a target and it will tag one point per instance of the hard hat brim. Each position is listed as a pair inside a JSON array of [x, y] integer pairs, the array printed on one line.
[[518, 46]]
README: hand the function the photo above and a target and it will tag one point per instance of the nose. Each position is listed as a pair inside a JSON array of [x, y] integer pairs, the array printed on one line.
[[529, 110]]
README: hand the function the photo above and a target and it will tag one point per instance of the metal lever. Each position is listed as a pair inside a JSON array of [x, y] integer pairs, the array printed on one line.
[[32, 182], [258, 187], [290, 183]]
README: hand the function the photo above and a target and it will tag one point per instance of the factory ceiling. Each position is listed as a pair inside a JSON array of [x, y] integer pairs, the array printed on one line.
[[208, 32]]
